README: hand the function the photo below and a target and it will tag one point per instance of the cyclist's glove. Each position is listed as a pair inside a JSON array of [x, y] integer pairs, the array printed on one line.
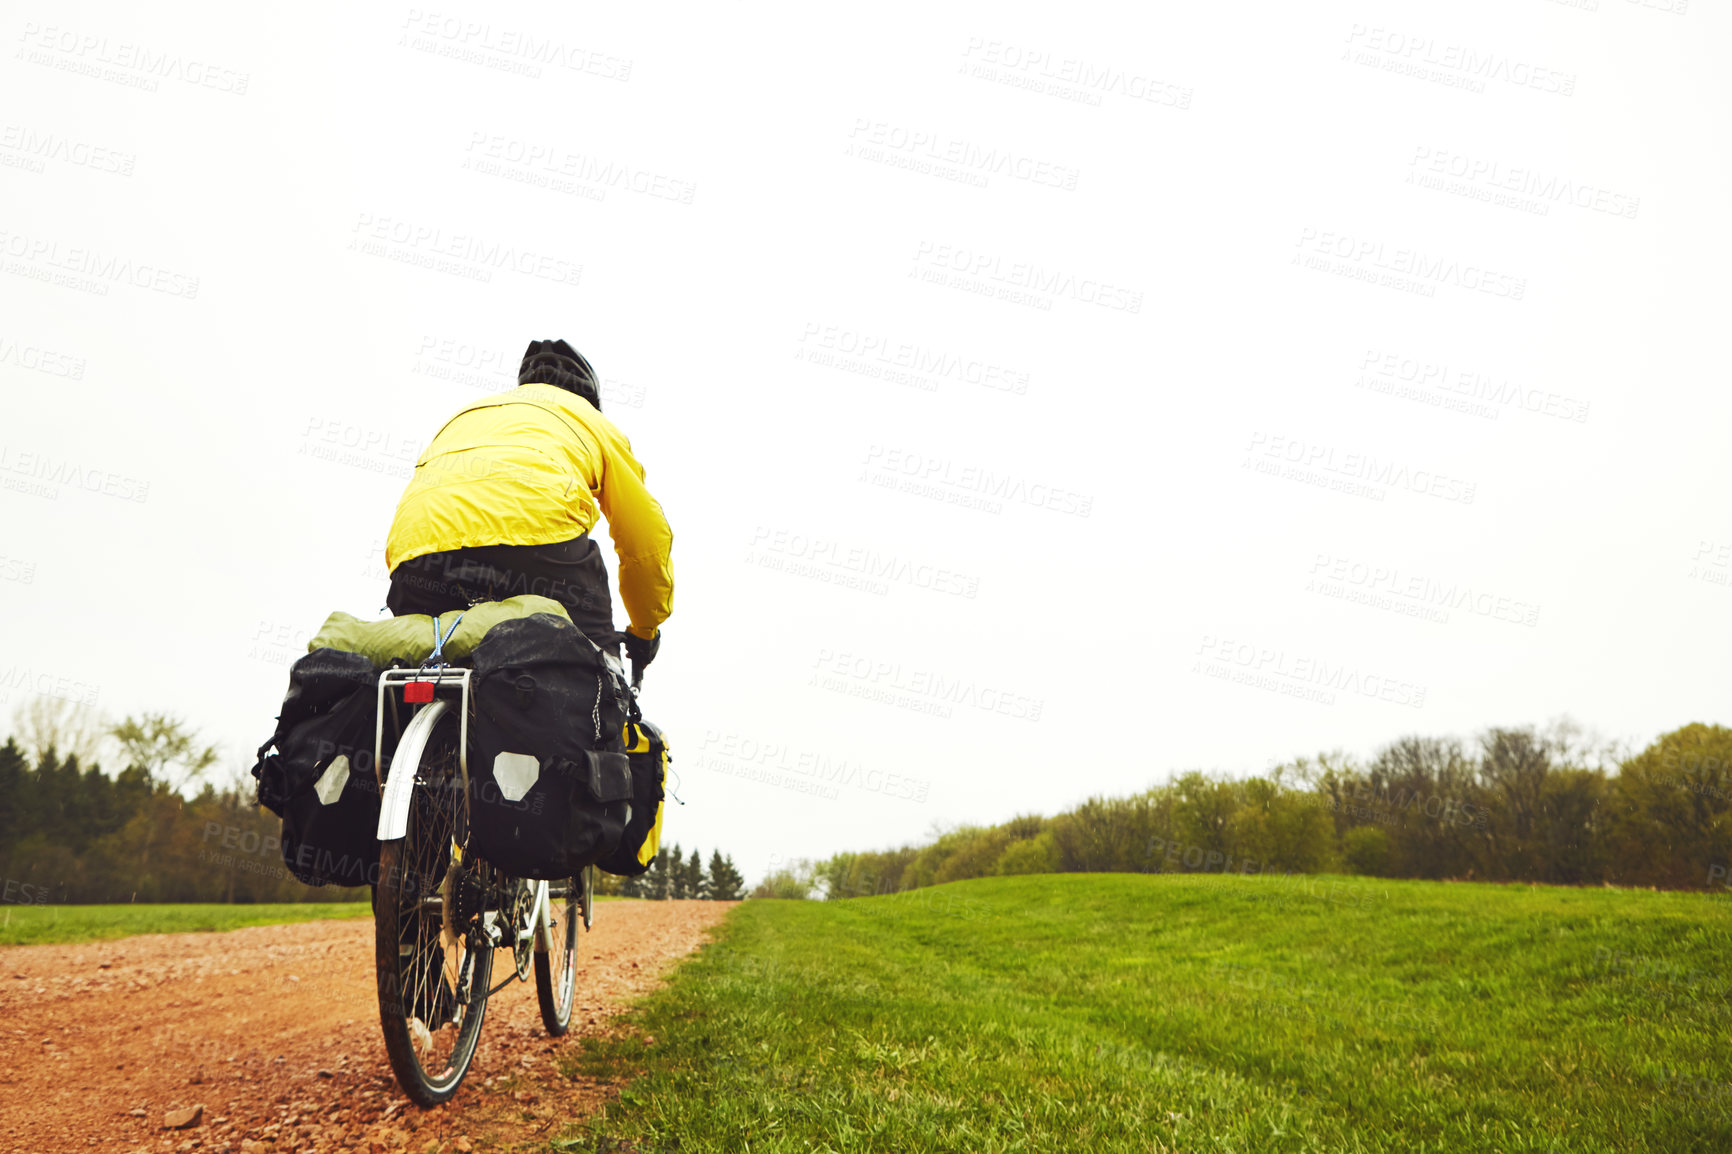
[[640, 651]]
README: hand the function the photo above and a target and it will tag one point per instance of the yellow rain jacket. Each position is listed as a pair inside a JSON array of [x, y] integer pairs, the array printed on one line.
[[532, 466]]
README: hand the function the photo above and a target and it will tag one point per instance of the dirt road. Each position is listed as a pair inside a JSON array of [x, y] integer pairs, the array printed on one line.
[[274, 1032]]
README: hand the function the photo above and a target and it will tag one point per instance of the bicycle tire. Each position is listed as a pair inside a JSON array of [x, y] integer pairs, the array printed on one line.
[[421, 1007], [556, 968]]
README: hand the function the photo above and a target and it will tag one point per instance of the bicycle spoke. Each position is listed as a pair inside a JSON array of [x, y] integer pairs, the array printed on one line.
[[438, 976], [555, 961]]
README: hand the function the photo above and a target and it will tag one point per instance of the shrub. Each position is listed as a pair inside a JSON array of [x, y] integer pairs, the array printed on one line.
[[794, 882], [1366, 850], [1036, 855]]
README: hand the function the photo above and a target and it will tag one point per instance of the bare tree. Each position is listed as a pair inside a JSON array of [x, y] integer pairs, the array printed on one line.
[[1424, 787], [68, 728], [1572, 744], [1515, 763]]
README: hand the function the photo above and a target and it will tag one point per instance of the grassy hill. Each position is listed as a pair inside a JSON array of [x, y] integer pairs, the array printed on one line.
[[1190, 1012]]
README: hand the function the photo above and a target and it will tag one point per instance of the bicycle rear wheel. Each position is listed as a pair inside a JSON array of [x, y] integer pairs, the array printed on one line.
[[434, 962], [556, 964]]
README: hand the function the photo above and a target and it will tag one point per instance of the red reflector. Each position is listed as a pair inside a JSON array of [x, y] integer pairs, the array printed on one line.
[[417, 692]]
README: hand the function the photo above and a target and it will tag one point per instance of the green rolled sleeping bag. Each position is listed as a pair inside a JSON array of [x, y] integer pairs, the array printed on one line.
[[410, 637]]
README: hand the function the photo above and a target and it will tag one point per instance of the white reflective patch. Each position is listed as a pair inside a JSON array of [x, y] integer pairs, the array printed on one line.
[[515, 773], [330, 785]]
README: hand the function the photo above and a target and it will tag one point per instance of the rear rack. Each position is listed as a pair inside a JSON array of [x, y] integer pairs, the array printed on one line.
[[445, 679]]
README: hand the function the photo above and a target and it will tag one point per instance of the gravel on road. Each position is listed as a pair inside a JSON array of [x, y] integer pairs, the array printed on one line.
[[267, 1039]]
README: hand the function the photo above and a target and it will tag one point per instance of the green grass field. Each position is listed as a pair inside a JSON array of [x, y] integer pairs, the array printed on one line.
[[32, 925], [1188, 1013]]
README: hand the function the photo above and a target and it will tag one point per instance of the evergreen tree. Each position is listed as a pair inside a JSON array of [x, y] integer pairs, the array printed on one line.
[[14, 780], [677, 875], [656, 880], [724, 883], [693, 872]]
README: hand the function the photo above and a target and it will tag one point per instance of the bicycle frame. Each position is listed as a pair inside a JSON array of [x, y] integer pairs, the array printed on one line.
[[446, 679], [450, 688]]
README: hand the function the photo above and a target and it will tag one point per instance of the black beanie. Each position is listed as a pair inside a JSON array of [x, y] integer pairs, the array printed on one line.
[[557, 363]]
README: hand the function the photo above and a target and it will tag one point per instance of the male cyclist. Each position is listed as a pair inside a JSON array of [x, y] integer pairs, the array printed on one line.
[[503, 499]]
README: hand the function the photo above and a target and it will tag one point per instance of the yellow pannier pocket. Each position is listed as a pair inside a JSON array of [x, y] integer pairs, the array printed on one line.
[[647, 751], [652, 844]]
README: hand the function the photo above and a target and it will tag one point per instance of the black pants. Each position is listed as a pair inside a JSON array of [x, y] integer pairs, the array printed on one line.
[[569, 572]]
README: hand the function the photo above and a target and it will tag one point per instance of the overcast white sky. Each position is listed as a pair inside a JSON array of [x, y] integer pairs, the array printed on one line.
[[1179, 386]]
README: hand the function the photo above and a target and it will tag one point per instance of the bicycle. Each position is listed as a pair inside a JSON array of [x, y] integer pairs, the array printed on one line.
[[439, 915]]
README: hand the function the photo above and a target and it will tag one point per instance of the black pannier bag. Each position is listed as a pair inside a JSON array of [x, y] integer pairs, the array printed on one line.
[[316, 772], [648, 753], [550, 787]]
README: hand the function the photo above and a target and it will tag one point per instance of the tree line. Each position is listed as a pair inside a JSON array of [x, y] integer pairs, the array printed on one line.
[[71, 833], [1513, 805], [673, 876]]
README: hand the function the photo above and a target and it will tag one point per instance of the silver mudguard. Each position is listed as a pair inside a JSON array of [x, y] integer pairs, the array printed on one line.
[[400, 786]]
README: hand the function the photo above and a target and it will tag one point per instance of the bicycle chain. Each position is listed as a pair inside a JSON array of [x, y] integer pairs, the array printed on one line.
[[471, 896]]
